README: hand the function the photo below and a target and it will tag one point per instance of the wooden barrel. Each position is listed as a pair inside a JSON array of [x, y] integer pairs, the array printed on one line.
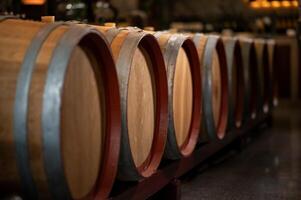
[[235, 81], [184, 93], [273, 94], [214, 84], [143, 88], [59, 111], [250, 79], [263, 81]]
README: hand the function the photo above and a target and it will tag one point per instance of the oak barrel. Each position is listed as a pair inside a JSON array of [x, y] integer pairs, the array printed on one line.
[[184, 93], [59, 111], [235, 81], [263, 81], [250, 79], [273, 94], [143, 88], [212, 56]]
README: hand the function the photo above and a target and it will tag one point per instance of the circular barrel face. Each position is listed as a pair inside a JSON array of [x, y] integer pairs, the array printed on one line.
[[140, 107], [216, 87], [81, 124], [182, 97]]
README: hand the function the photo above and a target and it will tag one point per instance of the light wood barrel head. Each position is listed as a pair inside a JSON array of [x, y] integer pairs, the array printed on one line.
[[182, 97], [140, 107], [216, 87], [81, 125]]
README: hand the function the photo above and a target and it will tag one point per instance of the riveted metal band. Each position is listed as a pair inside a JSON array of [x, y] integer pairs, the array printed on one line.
[[218, 132]]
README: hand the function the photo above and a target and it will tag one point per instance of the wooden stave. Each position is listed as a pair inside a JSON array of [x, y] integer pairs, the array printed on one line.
[[170, 49], [106, 177], [213, 42], [127, 170], [248, 56], [233, 53]]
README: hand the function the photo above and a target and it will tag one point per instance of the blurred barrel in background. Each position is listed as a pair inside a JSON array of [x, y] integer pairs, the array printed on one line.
[[184, 93], [214, 84], [235, 81], [264, 80], [143, 88], [273, 95], [250, 78]]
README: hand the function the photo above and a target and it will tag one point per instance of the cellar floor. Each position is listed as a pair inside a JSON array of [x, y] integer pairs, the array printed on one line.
[[268, 168]]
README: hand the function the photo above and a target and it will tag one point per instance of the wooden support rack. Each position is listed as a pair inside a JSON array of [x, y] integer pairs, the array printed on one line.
[[165, 181]]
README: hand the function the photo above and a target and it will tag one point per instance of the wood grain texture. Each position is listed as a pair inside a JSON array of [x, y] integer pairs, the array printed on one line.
[[183, 97], [139, 67], [14, 40], [140, 107], [81, 125]]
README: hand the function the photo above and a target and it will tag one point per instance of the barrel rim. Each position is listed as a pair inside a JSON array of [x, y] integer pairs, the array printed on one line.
[[248, 52], [234, 54], [51, 112], [157, 150], [219, 132], [190, 143], [109, 166], [123, 64], [170, 52]]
